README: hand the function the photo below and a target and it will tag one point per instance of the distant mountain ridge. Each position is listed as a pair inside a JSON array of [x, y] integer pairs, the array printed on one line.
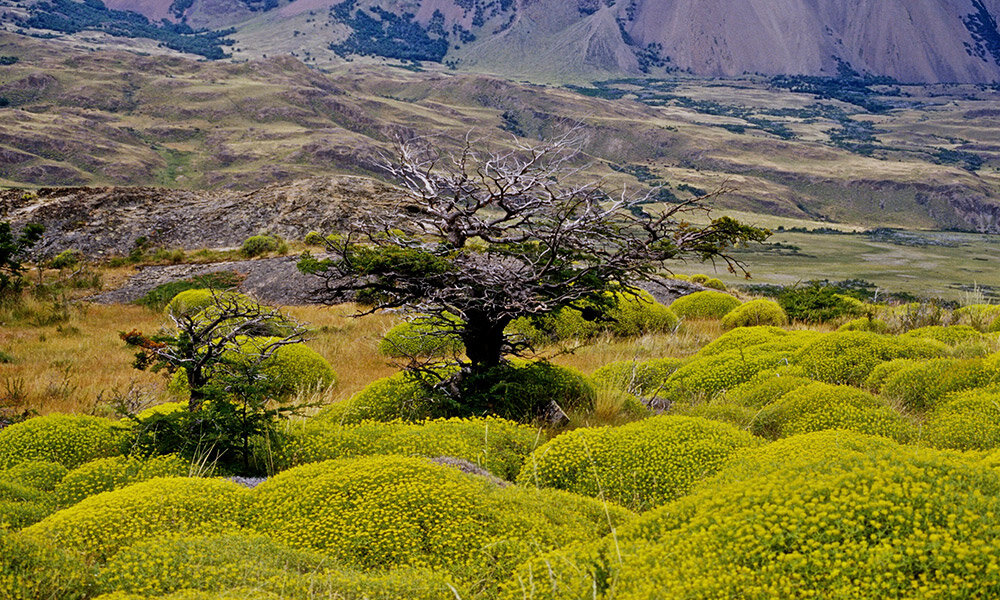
[[917, 41]]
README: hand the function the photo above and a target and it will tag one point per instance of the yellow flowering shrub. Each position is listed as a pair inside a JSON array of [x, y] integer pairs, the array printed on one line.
[[978, 316], [720, 408], [168, 407], [101, 525], [229, 562], [865, 324], [69, 440], [387, 511], [423, 336], [639, 465], [400, 396], [290, 368], [714, 373], [497, 445], [708, 304], [759, 338], [819, 406], [40, 570], [191, 302], [922, 384], [765, 388], [714, 284], [106, 474], [808, 517], [848, 357], [22, 504], [755, 313], [967, 420], [641, 378], [951, 335], [995, 326], [883, 371], [639, 315], [38, 474]]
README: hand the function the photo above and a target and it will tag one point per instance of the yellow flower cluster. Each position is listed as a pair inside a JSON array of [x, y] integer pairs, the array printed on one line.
[[497, 445], [389, 511], [759, 338], [639, 378], [921, 385], [820, 406], [967, 420], [755, 313], [823, 516], [639, 465], [235, 561], [290, 368], [399, 396], [26, 493], [191, 302], [865, 324], [37, 569], [708, 304], [101, 525], [39, 474], [848, 357], [714, 373], [106, 474], [765, 388], [639, 315], [69, 440], [951, 336]]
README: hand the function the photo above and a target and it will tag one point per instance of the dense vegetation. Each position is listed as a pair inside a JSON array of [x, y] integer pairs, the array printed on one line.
[[383, 33], [67, 16]]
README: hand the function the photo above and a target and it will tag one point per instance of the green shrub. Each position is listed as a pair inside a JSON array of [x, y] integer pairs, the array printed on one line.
[[951, 336], [819, 304], [158, 298], [106, 474], [865, 324], [720, 408], [639, 378], [709, 304], [714, 284], [820, 406], [315, 238], [383, 512], [421, 337], [496, 445], [404, 395], [291, 368], [883, 371], [753, 339], [755, 313], [38, 474], [922, 384], [18, 514], [638, 315], [995, 326], [848, 357], [698, 278], [825, 515], [67, 259], [69, 440], [40, 569], [967, 420], [765, 388], [254, 562], [639, 465], [710, 374], [189, 303], [977, 316], [256, 245], [101, 525]]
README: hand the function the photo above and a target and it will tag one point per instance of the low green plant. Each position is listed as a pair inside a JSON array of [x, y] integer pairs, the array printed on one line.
[[637, 378], [41, 475], [158, 298], [67, 259], [817, 303], [258, 245], [106, 474], [37, 569], [422, 336], [922, 384], [640, 465], [950, 335], [820, 406], [709, 304], [868, 323], [968, 420], [755, 313], [848, 357], [69, 440]]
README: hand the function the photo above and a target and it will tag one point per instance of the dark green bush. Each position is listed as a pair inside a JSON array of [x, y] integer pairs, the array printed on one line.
[[261, 244], [818, 304], [158, 297], [67, 259]]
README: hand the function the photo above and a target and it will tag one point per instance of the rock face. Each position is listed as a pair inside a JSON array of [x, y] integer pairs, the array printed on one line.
[[109, 221]]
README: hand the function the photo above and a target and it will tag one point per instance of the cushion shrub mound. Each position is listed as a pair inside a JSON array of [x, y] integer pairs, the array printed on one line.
[[950, 335], [256, 245], [640, 378], [106, 474], [191, 302], [38, 474], [823, 515], [708, 304], [639, 465], [819, 406], [497, 445], [709, 375], [100, 525], [291, 368], [420, 337], [382, 512], [765, 388], [848, 357], [720, 408], [759, 338], [639, 314], [403, 395], [967, 420], [883, 371], [978, 316], [243, 561], [865, 324], [921, 385], [69, 440], [38, 569], [755, 313]]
